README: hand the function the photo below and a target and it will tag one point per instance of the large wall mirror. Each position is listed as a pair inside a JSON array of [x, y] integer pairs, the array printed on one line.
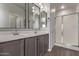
[[12, 16], [21, 16]]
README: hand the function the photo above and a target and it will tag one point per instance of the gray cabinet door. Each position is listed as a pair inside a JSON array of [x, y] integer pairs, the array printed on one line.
[[40, 45], [46, 43], [31, 46], [12, 48]]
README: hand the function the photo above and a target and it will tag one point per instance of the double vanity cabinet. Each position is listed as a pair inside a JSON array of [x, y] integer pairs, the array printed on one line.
[[31, 46]]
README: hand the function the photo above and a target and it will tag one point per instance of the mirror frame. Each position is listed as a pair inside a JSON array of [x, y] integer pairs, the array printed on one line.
[[45, 18]]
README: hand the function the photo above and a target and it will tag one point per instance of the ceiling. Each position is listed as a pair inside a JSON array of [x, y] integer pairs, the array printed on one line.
[[57, 6]]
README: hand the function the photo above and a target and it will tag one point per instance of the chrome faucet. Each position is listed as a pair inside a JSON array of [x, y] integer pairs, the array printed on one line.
[[16, 32]]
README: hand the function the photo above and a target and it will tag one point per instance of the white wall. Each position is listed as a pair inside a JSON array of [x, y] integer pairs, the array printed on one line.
[[77, 10], [52, 29]]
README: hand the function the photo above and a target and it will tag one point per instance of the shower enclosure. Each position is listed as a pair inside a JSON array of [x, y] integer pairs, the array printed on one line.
[[67, 29]]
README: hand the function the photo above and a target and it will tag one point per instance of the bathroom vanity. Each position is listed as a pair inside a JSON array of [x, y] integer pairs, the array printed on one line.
[[30, 46]]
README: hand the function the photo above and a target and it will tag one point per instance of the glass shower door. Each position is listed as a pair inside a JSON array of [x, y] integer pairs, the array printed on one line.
[[70, 29]]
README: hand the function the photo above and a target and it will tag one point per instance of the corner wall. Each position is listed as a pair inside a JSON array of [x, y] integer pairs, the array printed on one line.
[[52, 29]]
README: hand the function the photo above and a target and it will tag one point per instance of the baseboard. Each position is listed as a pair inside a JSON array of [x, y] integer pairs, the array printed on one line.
[[67, 46]]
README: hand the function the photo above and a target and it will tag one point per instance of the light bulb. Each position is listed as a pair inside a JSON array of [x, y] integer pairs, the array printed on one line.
[[33, 8], [62, 7], [40, 3], [43, 26], [53, 10]]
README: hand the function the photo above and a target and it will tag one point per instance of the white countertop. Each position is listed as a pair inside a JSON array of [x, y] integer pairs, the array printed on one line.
[[10, 37]]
